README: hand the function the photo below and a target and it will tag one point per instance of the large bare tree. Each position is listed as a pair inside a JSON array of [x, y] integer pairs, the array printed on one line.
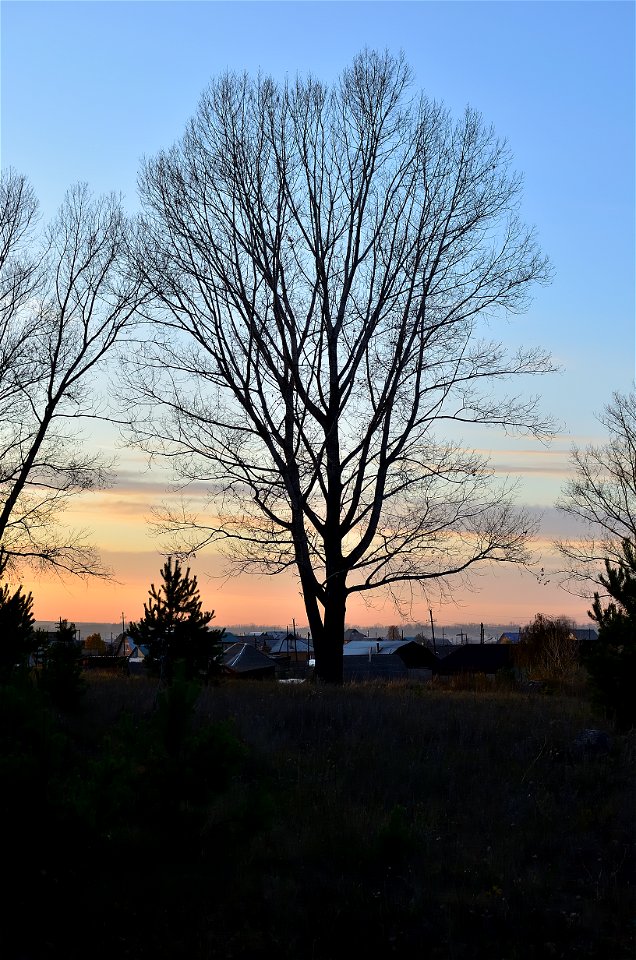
[[321, 260], [63, 305], [601, 496]]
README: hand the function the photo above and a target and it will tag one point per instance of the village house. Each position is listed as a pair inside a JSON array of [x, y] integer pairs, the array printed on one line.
[[370, 659], [477, 658]]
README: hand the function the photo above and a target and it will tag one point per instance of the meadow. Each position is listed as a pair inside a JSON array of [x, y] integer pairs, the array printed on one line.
[[252, 819]]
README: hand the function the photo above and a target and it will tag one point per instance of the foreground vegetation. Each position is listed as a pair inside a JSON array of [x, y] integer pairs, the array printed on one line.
[[262, 818]]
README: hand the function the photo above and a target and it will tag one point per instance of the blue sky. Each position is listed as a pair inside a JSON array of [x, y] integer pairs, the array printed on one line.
[[89, 88]]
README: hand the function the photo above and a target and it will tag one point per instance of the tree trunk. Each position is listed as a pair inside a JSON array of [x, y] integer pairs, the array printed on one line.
[[328, 647]]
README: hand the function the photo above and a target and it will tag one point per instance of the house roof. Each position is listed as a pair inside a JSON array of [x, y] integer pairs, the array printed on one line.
[[580, 633], [411, 653], [441, 647], [360, 647], [290, 644], [585, 633], [243, 658], [353, 634], [137, 649], [376, 645]]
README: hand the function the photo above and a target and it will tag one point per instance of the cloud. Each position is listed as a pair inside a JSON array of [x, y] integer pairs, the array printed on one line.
[[555, 524]]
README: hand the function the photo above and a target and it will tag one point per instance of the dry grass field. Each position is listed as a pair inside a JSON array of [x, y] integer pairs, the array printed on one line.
[[299, 821]]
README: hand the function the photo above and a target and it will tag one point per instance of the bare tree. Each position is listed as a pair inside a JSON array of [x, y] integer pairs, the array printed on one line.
[[19, 273], [549, 649], [602, 496], [63, 304], [320, 260]]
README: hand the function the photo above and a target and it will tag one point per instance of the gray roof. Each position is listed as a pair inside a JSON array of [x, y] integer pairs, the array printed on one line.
[[581, 633], [370, 645], [412, 653], [290, 644], [353, 634], [243, 657], [356, 648]]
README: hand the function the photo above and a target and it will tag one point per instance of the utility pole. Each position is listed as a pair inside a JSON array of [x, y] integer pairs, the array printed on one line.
[[432, 630], [481, 636]]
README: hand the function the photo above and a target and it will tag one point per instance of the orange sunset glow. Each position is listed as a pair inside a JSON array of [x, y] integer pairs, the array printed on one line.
[[118, 521]]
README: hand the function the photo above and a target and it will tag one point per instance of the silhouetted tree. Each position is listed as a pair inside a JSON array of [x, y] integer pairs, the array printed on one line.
[[602, 496], [94, 642], [320, 259], [548, 648], [611, 660], [175, 628], [63, 305]]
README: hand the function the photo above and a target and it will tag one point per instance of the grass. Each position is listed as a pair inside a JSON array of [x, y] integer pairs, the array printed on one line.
[[312, 822]]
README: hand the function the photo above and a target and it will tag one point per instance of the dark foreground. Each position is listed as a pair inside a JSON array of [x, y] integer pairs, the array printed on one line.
[[300, 822]]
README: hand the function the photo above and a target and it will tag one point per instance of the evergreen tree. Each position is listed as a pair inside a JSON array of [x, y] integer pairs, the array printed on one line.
[[175, 628], [17, 639], [611, 661]]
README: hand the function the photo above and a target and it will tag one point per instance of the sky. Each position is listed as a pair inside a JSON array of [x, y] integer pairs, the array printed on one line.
[[90, 88]]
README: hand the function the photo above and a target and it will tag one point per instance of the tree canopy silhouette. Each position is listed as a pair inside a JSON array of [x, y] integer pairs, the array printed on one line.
[[64, 302], [602, 496], [321, 259]]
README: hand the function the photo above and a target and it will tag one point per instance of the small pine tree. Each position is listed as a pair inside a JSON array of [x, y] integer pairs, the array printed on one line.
[[611, 660], [174, 627], [17, 639]]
